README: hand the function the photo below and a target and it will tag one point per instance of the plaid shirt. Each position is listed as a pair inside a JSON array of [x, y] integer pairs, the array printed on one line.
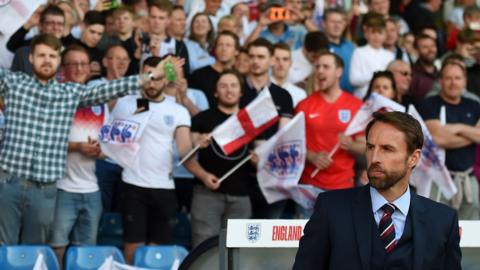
[[38, 119]]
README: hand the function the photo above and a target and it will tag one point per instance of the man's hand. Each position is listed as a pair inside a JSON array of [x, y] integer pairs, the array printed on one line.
[[34, 20], [211, 181], [90, 148], [321, 160], [204, 140], [264, 19]]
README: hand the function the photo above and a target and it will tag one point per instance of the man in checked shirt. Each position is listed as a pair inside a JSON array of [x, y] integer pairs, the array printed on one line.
[[38, 113]]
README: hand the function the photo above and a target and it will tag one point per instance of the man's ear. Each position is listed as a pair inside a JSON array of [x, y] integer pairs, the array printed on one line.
[[30, 57], [414, 158]]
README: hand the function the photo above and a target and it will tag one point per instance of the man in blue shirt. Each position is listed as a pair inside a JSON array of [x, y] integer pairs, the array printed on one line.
[[335, 23]]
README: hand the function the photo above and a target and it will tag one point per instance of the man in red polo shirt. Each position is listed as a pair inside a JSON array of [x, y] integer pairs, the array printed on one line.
[[328, 111]]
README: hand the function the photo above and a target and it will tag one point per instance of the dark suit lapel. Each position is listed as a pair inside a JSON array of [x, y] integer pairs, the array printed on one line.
[[419, 230], [363, 221]]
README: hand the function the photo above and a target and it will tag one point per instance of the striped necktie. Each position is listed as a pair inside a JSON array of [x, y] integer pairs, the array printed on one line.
[[386, 228]]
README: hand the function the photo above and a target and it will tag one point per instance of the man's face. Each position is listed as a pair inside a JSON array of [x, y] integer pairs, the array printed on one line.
[[327, 74], [427, 50], [225, 50], [124, 23], [157, 20], [212, 6], [178, 23], [294, 4], [110, 25], [242, 63], [282, 60], [387, 156], [452, 81], [375, 36], [241, 10], [92, 34], [335, 24], [229, 91], [54, 25], [380, 6], [260, 60], [76, 67], [116, 62], [403, 77], [391, 31], [153, 88], [45, 61]]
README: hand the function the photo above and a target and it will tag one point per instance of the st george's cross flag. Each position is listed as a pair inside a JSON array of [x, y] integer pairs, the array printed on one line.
[[248, 123]]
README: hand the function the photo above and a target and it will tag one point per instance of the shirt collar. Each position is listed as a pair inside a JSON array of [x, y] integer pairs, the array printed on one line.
[[402, 203]]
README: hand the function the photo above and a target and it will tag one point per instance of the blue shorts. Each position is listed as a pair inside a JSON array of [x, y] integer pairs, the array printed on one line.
[[77, 216]]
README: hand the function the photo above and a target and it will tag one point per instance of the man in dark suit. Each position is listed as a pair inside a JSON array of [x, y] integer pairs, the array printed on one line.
[[384, 225]]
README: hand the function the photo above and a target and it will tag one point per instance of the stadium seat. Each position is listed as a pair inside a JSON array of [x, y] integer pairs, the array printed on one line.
[[159, 257], [24, 257], [90, 257]]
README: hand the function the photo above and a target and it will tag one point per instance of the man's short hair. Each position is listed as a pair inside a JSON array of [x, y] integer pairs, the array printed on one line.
[[94, 17], [48, 40], [334, 10], [338, 61], [315, 41], [422, 37], [373, 20], [468, 36], [470, 11], [74, 48], [122, 10], [405, 123], [152, 61], [51, 10], [163, 5], [454, 62], [281, 46], [113, 46], [262, 42], [229, 34]]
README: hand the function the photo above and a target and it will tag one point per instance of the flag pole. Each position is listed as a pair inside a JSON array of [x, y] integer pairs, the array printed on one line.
[[330, 155], [232, 170], [190, 154]]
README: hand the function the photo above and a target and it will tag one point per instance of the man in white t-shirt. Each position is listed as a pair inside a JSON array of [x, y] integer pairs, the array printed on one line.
[[79, 205], [282, 61], [148, 198]]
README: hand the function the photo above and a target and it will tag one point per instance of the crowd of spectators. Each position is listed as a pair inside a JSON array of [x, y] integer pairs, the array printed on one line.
[[80, 64]]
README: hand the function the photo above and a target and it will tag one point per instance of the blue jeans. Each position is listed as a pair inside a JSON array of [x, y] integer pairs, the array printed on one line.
[[109, 177], [76, 215], [27, 210]]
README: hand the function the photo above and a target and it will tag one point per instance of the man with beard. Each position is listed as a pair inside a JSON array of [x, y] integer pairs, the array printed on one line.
[[148, 193], [383, 225], [402, 74], [328, 112], [33, 154], [425, 74]]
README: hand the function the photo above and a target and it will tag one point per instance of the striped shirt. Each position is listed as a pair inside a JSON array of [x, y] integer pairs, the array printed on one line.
[[38, 119]]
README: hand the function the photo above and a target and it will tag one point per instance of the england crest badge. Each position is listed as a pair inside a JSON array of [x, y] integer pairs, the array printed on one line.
[[253, 232], [168, 120], [344, 116]]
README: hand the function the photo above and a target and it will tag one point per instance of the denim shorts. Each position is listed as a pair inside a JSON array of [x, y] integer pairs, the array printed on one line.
[[27, 210], [77, 216]]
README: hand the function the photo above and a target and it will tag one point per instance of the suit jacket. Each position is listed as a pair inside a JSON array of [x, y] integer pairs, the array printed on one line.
[[339, 233]]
